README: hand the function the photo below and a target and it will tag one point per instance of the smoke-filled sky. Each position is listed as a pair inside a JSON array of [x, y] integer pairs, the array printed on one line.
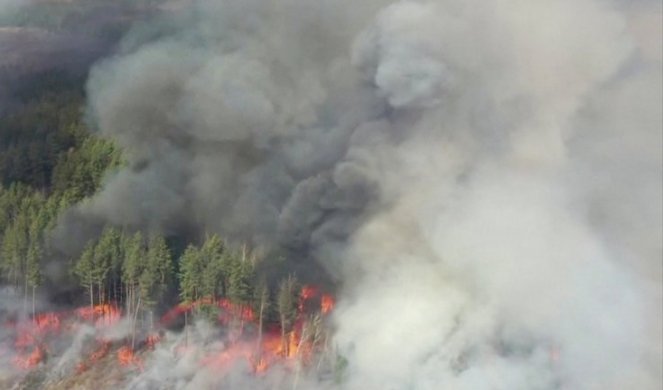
[[481, 179]]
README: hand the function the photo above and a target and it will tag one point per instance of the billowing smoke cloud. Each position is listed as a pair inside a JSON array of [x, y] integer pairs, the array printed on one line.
[[483, 179], [237, 125], [510, 258]]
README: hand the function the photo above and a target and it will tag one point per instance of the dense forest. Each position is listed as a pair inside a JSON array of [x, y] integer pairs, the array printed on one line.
[[52, 162], [49, 162]]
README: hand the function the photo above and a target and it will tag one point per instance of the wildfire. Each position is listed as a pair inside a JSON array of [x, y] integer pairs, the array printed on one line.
[[245, 313], [152, 340], [31, 360], [261, 366], [327, 303], [292, 345], [272, 351], [47, 322], [310, 296], [230, 355], [102, 315], [228, 310], [275, 347], [126, 357], [306, 295], [29, 333], [31, 336], [308, 292]]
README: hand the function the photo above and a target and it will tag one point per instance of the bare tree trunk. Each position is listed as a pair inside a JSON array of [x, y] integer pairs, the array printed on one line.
[[109, 291], [186, 328], [284, 343], [240, 307], [33, 301], [114, 288], [305, 335], [131, 298], [260, 321], [25, 296], [100, 292], [133, 325], [92, 300], [127, 300], [298, 362]]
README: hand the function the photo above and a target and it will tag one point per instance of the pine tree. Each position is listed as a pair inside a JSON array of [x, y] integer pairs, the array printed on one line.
[[12, 250], [92, 268], [240, 283], [287, 307], [33, 258], [108, 256], [155, 277], [262, 305], [191, 269], [132, 268], [213, 276], [84, 269]]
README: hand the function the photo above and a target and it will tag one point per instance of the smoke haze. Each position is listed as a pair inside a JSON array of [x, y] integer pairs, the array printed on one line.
[[481, 179]]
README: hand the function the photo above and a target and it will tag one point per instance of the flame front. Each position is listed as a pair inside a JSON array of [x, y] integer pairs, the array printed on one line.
[[32, 338], [273, 350]]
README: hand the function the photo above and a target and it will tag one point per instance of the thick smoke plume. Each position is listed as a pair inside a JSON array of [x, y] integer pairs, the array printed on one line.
[[482, 179]]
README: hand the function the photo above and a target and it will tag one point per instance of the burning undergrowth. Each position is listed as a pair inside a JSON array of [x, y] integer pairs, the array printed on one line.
[[99, 346]]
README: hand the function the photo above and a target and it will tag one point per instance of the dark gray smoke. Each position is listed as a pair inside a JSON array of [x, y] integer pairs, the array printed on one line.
[[240, 121], [483, 178]]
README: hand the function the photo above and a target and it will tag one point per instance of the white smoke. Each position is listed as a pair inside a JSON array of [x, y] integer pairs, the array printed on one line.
[[500, 265]]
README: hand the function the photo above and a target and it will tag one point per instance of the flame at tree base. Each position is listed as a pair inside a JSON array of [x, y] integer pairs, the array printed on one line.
[[239, 340]]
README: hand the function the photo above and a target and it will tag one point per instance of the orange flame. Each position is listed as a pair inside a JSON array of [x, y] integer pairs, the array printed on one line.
[[261, 366], [272, 350], [327, 303], [244, 312], [152, 340], [32, 336], [30, 361], [47, 322], [103, 315], [308, 292], [126, 357]]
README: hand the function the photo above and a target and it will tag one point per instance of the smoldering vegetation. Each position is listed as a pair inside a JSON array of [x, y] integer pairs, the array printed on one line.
[[481, 181]]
